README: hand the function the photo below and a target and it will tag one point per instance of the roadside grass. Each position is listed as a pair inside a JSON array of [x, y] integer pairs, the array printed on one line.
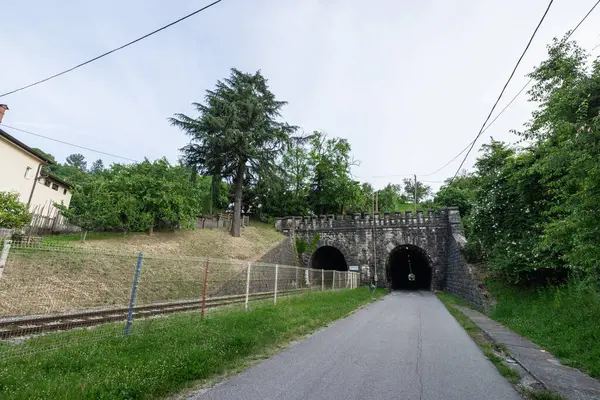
[[487, 346], [171, 353], [563, 320], [542, 395]]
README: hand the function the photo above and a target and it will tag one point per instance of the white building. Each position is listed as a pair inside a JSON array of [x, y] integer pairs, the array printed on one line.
[[21, 172]]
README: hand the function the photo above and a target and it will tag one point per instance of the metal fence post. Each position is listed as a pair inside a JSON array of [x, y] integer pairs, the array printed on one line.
[[322, 279], [204, 289], [136, 279], [4, 256], [297, 277], [276, 271], [247, 286], [333, 280]]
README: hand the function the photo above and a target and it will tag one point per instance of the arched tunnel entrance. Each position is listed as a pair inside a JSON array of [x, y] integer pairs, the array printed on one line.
[[409, 268], [329, 259]]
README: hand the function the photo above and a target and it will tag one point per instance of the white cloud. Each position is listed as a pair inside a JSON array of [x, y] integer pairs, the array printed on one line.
[[408, 83]]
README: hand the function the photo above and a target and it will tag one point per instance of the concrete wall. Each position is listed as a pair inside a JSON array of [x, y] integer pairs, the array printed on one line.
[[17, 169]]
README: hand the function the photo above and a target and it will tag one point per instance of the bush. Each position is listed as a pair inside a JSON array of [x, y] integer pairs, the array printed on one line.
[[13, 213]]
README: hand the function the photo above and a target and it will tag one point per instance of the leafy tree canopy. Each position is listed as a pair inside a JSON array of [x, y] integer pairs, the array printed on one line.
[[13, 213], [237, 134]]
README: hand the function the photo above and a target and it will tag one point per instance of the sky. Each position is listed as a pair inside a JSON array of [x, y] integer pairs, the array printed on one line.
[[408, 83]]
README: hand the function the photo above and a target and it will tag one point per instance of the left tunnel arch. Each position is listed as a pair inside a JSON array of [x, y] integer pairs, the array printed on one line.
[[328, 258]]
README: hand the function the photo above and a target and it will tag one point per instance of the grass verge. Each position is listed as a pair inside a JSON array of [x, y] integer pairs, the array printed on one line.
[[487, 346], [155, 362], [563, 320]]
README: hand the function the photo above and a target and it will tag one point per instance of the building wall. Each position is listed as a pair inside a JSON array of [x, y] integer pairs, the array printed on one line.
[[44, 196], [13, 166]]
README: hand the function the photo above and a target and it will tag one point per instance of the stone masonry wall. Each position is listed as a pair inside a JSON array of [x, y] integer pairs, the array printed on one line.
[[460, 280], [353, 236], [437, 234], [283, 253]]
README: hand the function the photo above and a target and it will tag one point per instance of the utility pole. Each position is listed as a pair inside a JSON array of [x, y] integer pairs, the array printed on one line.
[[415, 194], [375, 199], [211, 197]]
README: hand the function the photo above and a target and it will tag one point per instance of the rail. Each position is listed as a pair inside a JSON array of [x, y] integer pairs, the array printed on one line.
[[32, 325]]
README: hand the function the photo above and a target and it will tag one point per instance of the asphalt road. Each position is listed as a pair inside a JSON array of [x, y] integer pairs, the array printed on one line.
[[406, 346]]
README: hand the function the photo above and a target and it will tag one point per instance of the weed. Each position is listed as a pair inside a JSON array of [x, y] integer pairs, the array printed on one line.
[[542, 395], [563, 320]]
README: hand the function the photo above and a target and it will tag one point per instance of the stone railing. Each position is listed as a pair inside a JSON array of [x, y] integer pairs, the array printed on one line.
[[359, 220]]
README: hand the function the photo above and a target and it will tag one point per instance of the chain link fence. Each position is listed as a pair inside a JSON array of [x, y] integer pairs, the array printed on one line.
[[54, 295]]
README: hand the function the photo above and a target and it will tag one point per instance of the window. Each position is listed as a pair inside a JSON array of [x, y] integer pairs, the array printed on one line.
[[28, 173], [54, 186], [64, 191], [47, 182]]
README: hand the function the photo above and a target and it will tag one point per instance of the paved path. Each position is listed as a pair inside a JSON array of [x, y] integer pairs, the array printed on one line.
[[406, 346], [569, 382]]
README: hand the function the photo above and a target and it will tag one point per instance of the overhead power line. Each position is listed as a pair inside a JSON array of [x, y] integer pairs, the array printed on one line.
[[503, 89], [112, 51], [69, 144], [485, 129], [518, 93]]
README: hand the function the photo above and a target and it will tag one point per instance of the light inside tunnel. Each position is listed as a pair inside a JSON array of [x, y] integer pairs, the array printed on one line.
[[329, 258], [407, 260]]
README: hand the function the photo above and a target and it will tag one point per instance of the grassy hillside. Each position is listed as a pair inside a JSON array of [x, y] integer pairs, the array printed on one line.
[[67, 274], [256, 240]]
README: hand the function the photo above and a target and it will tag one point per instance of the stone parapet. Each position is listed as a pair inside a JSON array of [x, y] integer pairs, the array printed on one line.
[[358, 220]]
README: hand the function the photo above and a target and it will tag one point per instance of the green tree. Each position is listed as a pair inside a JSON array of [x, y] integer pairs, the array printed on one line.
[[78, 161], [96, 206], [460, 192], [97, 166], [138, 197], [44, 154], [13, 213], [423, 191], [391, 198], [238, 131], [332, 188]]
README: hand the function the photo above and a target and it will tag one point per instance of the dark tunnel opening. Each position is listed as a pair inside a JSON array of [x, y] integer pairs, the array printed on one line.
[[329, 258], [407, 260]]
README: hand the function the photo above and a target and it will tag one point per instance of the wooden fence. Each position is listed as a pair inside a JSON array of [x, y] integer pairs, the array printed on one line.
[[50, 221], [221, 220]]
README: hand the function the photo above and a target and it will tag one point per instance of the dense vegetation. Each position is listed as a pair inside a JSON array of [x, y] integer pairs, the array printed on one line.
[[13, 213], [531, 211]]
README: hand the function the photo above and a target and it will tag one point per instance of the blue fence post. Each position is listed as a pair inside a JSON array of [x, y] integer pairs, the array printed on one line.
[[136, 279]]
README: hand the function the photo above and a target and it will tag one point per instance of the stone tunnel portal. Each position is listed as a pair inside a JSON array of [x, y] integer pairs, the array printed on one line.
[[328, 258], [406, 260]]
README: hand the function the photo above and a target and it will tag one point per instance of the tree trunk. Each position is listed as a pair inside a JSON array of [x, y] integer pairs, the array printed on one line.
[[237, 205], [151, 230]]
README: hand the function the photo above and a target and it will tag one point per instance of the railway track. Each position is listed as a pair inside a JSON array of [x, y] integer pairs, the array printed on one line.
[[34, 325]]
